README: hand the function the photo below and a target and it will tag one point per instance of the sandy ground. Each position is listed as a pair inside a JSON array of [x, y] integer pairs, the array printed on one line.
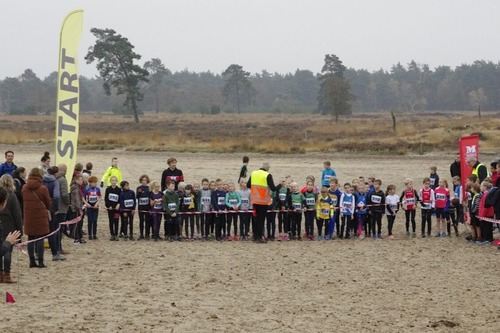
[[401, 285]]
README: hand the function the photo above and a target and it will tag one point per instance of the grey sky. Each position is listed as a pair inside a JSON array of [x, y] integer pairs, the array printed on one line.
[[275, 35]]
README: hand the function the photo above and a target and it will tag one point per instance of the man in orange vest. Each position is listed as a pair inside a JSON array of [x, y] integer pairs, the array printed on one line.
[[261, 184]]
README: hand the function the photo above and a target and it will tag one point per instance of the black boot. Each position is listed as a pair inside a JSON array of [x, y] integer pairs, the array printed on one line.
[[33, 262]]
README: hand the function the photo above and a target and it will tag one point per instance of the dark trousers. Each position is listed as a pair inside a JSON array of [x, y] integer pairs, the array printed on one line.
[[486, 230], [113, 217], [426, 220], [127, 222], [259, 220], [232, 218], [347, 225], [452, 215], [144, 223], [6, 260], [296, 219], [35, 247], [172, 226], [54, 239], [156, 222], [283, 222], [376, 219], [390, 223], [205, 224], [244, 224], [319, 225], [309, 222], [410, 216], [219, 224], [271, 224], [188, 221], [92, 215], [78, 227]]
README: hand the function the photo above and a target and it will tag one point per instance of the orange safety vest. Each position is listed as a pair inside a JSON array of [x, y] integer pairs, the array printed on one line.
[[260, 193]]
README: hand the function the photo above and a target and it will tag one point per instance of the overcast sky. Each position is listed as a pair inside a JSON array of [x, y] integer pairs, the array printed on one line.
[[275, 35]]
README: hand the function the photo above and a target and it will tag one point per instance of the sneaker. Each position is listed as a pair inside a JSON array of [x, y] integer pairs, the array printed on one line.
[[95, 237], [423, 235], [361, 236], [236, 238], [112, 238], [390, 236], [299, 238], [147, 237], [319, 238], [407, 233], [76, 242], [82, 241], [58, 257], [141, 237], [286, 237], [121, 236], [327, 237], [229, 238], [438, 234], [485, 243], [131, 237], [379, 236], [413, 235]]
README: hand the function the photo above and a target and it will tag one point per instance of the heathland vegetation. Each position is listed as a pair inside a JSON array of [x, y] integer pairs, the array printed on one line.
[[274, 133]]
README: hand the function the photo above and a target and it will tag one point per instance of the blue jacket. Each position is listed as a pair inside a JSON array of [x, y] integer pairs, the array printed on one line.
[[127, 200], [326, 175], [7, 169]]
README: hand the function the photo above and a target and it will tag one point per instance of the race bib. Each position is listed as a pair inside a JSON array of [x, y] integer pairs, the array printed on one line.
[[113, 197], [327, 177], [172, 206], [440, 196], [325, 211], [221, 201], [157, 205], [93, 198], [347, 205], [334, 201], [393, 206], [282, 196], [188, 201], [310, 201], [410, 201], [297, 205], [205, 201], [245, 202], [129, 203], [143, 201], [376, 199], [433, 181], [233, 202]]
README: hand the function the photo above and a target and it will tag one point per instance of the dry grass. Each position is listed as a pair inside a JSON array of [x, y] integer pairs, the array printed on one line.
[[264, 133]]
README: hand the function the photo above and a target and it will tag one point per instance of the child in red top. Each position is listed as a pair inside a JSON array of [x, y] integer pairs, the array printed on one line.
[[442, 198], [409, 199], [485, 226]]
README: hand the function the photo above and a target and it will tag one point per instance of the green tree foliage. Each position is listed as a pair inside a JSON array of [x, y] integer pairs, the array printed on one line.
[[157, 75], [115, 62], [237, 87], [334, 97]]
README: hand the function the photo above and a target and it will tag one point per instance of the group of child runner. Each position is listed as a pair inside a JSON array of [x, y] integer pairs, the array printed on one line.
[[218, 210]]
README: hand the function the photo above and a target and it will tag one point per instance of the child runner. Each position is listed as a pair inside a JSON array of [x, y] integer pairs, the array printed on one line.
[[196, 192], [282, 198], [311, 198], [91, 198], [427, 204], [297, 204], [409, 199], [271, 217], [187, 200], [204, 207], [233, 202], [459, 212], [111, 201], [474, 210], [376, 201], [219, 205], [487, 212], [361, 210], [76, 206], [347, 204], [334, 222], [127, 209], [391, 208], [213, 187], [143, 206], [442, 199], [155, 202], [327, 173], [171, 208], [324, 211], [434, 178], [245, 208]]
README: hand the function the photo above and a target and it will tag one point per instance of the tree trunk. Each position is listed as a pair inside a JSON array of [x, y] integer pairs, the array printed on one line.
[[134, 108], [393, 121], [479, 111]]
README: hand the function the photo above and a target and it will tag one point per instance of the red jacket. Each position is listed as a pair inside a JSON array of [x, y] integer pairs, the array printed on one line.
[[483, 211], [36, 201]]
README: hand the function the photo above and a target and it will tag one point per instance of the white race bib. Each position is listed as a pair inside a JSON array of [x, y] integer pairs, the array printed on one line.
[[157, 205], [221, 201], [325, 211], [172, 206], [205, 201], [188, 201], [440, 196], [143, 201], [245, 201], [233, 202], [282, 196], [129, 203], [113, 197], [310, 201], [297, 205], [376, 199], [410, 201], [93, 198]]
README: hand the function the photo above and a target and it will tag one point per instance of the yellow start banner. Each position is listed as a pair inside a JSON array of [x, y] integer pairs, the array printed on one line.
[[68, 91]]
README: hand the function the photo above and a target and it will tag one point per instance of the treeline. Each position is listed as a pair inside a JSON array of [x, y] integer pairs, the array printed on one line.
[[410, 87]]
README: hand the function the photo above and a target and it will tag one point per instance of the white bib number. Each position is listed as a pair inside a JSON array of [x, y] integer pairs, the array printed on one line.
[[297, 205], [172, 206], [376, 199], [157, 205], [113, 197], [129, 203], [143, 201], [310, 201]]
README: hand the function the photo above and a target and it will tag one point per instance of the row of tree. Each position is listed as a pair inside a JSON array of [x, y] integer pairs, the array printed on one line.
[[337, 90]]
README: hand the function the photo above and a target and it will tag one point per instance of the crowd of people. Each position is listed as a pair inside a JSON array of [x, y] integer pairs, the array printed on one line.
[[35, 204]]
